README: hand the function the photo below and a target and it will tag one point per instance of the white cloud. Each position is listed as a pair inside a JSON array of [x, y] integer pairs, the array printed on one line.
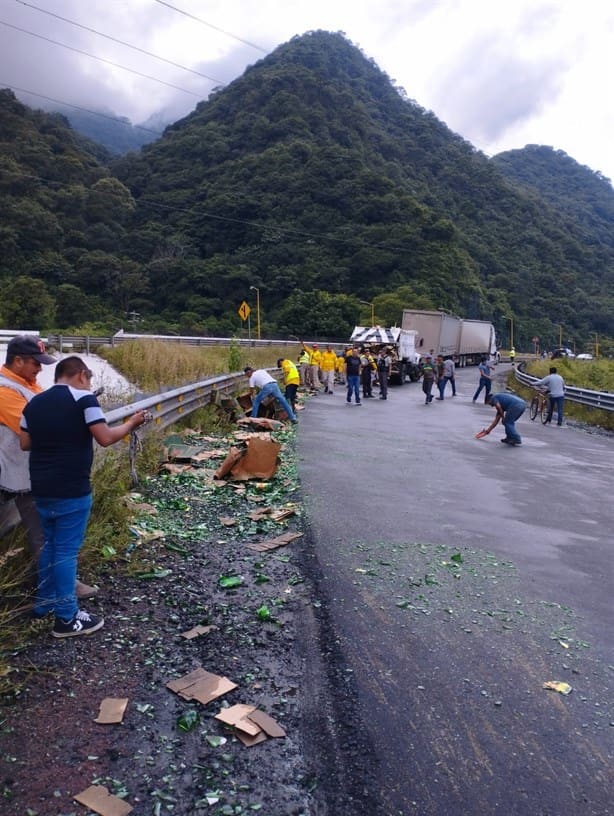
[[502, 74]]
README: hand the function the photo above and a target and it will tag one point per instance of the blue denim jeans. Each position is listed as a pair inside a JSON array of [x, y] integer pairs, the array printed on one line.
[[556, 402], [64, 522], [272, 389], [509, 422], [353, 387], [484, 383]]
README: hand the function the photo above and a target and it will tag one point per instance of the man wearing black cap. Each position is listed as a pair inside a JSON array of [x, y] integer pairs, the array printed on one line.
[[25, 356]]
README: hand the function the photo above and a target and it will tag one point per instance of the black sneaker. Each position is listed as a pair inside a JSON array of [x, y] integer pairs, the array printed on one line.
[[81, 624]]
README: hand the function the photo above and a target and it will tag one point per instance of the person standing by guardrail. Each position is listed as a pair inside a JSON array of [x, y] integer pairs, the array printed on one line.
[[25, 356], [58, 428], [556, 394]]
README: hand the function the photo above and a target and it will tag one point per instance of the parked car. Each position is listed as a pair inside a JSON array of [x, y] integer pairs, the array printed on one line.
[[584, 357]]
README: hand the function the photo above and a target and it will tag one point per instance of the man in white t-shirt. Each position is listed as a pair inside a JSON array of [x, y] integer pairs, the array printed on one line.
[[267, 386]]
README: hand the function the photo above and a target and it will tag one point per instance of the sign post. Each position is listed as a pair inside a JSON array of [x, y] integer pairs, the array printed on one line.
[[244, 312]]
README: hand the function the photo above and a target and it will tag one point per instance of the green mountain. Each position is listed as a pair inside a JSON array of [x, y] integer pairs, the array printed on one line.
[[314, 179]]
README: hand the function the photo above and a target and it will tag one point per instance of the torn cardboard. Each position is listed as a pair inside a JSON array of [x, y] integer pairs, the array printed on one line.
[[201, 685], [237, 716], [261, 422], [112, 710], [258, 460], [196, 631], [273, 543], [264, 721], [98, 799]]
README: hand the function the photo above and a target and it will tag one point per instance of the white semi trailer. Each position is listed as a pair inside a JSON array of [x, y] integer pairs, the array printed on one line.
[[440, 333]]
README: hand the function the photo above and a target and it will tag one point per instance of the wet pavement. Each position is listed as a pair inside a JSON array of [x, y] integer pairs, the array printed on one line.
[[456, 577]]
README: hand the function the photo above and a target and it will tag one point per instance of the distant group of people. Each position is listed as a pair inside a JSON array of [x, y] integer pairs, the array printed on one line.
[[437, 371], [360, 369]]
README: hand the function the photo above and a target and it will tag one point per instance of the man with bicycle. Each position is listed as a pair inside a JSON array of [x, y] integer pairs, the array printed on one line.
[[555, 386]]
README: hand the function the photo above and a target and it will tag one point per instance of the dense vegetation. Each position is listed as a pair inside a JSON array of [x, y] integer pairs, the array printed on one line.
[[314, 179]]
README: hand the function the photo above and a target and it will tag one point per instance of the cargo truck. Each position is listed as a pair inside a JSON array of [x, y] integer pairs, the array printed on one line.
[[467, 341], [401, 346]]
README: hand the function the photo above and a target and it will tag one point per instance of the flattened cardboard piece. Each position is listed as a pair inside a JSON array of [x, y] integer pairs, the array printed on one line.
[[112, 710], [234, 454], [236, 716], [261, 422], [266, 723], [183, 453], [143, 508], [273, 543], [259, 513], [98, 799], [248, 740], [169, 467], [281, 515], [204, 456], [227, 521], [198, 630], [201, 685], [259, 462]]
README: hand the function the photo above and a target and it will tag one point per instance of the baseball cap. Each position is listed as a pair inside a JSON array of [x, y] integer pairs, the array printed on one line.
[[25, 345]]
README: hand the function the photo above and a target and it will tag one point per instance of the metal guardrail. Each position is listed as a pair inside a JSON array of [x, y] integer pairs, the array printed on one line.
[[85, 343], [603, 400], [171, 406]]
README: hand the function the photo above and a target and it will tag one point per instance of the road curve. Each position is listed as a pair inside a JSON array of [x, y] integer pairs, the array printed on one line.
[[454, 578]]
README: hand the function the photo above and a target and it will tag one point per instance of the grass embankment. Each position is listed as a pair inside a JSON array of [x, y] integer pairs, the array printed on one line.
[[151, 366], [595, 375], [155, 364]]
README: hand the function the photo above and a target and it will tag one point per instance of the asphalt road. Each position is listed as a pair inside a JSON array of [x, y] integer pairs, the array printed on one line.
[[456, 577]]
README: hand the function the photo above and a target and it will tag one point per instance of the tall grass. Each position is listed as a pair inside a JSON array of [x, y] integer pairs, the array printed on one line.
[[153, 364]]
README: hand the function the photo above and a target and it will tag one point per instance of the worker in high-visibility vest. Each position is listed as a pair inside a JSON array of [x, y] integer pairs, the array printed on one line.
[[512, 355], [291, 380], [303, 367]]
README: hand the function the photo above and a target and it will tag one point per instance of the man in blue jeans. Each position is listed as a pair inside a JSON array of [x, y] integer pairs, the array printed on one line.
[[267, 386], [509, 408], [58, 428], [555, 385]]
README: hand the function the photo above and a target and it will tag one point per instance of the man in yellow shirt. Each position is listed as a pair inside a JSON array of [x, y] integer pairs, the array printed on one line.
[[315, 357], [328, 363], [291, 380], [25, 356]]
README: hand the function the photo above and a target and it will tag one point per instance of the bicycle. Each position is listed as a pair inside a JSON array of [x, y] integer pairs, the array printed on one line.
[[540, 404]]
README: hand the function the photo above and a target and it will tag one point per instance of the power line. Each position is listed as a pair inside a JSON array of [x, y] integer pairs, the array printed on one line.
[[121, 42], [101, 59], [214, 27], [78, 107]]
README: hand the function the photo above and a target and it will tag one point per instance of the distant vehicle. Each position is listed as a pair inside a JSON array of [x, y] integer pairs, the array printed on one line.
[[562, 351], [465, 340], [400, 344], [584, 357]]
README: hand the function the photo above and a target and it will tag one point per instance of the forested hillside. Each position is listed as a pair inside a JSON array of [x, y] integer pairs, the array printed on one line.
[[314, 179]]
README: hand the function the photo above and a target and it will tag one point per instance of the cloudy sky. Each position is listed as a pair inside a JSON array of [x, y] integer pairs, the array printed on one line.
[[502, 73]]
